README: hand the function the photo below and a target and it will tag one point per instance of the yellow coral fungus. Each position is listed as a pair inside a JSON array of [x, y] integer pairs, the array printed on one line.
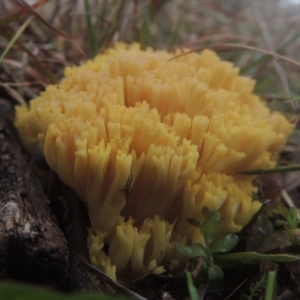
[[147, 142]]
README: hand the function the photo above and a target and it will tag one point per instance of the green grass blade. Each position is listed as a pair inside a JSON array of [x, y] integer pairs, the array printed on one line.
[[46, 70], [15, 37], [192, 289], [91, 28], [284, 169], [249, 258], [270, 286], [145, 33]]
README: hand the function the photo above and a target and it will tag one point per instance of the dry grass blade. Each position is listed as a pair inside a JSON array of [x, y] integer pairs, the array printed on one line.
[[29, 70], [15, 37], [45, 22], [236, 289], [19, 84], [7, 34], [244, 47], [287, 199], [219, 37], [269, 43], [117, 287], [13, 93], [14, 17]]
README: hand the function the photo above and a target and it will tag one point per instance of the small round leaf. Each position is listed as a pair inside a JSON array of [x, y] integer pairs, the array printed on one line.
[[215, 273], [223, 244], [194, 222], [192, 251]]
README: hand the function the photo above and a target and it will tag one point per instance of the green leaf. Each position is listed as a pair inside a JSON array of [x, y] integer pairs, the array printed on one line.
[[215, 216], [215, 273], [275, 240], [264, 224], [195, 222], [282, 223], [254, 257], [209, 229], [282, 210], [223, 244], [145, 29], [192, 251], [192, 289], [254, 64], [16, 291], [292, 218]]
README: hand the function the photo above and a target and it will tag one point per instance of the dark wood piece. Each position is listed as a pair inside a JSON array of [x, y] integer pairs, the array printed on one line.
[[32, 247], [79, 278]]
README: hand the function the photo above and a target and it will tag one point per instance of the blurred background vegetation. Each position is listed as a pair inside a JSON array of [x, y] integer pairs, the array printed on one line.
[[62, 30]]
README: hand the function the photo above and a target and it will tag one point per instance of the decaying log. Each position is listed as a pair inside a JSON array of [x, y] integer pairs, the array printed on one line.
[[79, 278], [32, 247]]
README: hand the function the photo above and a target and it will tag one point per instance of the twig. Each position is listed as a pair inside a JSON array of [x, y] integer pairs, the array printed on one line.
[[117, 287], [287, 199], [237, 288], [13, 93], [33, 12]]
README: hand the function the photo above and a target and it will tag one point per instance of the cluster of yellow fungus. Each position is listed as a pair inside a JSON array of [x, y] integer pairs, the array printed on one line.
[[147, 142]]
